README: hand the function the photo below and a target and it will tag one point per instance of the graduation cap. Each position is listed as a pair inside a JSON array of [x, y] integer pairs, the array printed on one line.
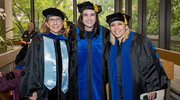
[[118, 17], [88, 5], [53, 12]]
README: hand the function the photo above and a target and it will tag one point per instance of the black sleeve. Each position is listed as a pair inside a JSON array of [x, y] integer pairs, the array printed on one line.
[[73, 59], [30, 76], [106, 38], [152, 70]]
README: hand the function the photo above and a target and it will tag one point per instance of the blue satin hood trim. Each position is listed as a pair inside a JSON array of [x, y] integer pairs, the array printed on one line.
[[60, 37], [96, 66], [126, 70], [65, 66], [49, 63]]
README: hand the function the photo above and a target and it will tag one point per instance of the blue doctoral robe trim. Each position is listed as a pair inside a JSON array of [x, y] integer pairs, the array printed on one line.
[[60, 37], [113, 72], [126, 70], [156, 55], [96, 66]]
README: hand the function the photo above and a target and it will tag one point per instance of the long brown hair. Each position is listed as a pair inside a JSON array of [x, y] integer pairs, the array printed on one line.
[[81, 27], [45, 29]]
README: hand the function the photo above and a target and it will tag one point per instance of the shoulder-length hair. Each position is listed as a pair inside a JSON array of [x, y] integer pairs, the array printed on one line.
[[45, 29], [81, 27]]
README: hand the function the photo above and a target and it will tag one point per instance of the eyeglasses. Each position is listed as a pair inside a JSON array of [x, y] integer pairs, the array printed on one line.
[[58, 20]]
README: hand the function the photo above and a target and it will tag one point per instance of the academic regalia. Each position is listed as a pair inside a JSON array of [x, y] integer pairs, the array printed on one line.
[[33, 74], [88, 78], [134, 68]]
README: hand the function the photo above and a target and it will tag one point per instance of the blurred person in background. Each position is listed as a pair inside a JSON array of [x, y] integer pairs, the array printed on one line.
[[28, 34]]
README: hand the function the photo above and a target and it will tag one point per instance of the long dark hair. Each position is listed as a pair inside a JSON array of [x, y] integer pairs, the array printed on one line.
[[81, 27]]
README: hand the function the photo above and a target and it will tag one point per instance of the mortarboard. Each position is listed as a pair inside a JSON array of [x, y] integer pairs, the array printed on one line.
[[118, 16], [53, 12], [89, 5]]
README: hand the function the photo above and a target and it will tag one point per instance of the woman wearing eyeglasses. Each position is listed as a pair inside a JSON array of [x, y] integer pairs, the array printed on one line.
[[46, 70]]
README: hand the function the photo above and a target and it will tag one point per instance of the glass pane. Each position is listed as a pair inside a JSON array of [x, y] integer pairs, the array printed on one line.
[[107, 8], [123, 6], [175, 26], [134, 15], [21, 16], [152, 21]]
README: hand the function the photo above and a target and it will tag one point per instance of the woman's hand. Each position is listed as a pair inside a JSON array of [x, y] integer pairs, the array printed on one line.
[[152, 95], [34, 96]]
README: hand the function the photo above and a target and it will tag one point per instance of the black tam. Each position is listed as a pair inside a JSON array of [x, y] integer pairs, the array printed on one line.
[[88, 5], [117, 16], [53, 12]]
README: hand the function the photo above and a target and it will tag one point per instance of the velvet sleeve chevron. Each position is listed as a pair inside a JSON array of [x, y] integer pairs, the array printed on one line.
[[153, 73]]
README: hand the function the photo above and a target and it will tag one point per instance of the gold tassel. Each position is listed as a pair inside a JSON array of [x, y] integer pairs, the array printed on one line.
[[125, 20], [95, 7], [65, 23], [68, 29]]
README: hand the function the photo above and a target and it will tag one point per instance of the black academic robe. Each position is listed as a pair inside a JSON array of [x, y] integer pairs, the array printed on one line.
[[88, 71], [134, 70], [32, 77]]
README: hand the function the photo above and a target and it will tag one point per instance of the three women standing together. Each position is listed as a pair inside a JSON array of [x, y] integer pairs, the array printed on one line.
[[78, 68]]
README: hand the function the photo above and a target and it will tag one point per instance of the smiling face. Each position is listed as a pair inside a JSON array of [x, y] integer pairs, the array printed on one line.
[[55, 24], [89, 19], [118, 28]]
